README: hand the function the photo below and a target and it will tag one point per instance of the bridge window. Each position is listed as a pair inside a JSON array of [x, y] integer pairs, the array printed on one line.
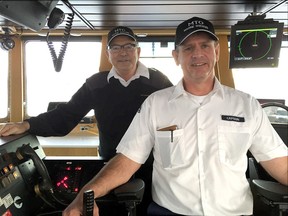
[[156, 52], [265, 83], [44, 84], [4, 83]]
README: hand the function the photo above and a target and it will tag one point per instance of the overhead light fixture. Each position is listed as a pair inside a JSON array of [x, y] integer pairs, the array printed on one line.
[[142, 35]]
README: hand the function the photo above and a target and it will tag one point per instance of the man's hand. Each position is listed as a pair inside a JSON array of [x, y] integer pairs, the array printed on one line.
[[76, 208], [14, 128], [116, 172]]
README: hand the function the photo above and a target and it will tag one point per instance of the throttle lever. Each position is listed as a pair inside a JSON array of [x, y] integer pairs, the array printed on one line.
[[88, 203]]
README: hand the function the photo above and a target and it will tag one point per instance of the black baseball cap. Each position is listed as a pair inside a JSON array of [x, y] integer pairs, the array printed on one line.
[[191, 26], [120, 30]]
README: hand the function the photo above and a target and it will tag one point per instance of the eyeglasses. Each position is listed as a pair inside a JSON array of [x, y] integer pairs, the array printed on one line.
[[126, 47]]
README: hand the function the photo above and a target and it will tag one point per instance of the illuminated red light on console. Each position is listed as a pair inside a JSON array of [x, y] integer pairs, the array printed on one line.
[[63, 182]]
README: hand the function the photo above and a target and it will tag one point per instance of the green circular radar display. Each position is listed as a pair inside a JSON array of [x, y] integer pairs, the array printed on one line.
[[255, 44]]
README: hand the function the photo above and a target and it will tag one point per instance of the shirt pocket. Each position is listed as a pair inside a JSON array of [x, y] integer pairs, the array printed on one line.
[[170, 147], [233, 146]]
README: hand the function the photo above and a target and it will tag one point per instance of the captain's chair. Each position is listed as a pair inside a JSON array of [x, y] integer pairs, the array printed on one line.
[[130, 194], [278, 116], [273, 196]]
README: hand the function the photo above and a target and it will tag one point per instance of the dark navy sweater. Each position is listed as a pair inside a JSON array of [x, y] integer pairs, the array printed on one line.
[[114, 106]]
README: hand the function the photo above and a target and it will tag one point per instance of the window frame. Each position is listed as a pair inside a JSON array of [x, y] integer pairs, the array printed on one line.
[[284, 45], [162, 39], [27, 39], [6, 118]]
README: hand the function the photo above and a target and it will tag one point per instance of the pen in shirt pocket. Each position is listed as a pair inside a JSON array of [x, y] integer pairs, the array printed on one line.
[[171, 128]]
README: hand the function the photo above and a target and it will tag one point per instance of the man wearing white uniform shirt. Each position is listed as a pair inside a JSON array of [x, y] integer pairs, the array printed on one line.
[[200, 132]]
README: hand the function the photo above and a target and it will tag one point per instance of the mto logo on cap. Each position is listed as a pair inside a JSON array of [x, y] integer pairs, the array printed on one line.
[[196, 24], [191, 26], [121, 30]]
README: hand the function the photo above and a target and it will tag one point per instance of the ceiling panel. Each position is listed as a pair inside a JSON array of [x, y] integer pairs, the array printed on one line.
[[167, 14]]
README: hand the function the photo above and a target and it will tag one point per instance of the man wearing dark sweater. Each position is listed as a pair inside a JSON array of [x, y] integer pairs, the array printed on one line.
[[115, 96], [114, 106]]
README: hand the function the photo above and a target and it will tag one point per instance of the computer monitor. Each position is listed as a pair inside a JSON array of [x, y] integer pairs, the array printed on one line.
[[255, 45]]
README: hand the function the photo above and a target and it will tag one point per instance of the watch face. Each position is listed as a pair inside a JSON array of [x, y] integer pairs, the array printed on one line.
[[255, 45]]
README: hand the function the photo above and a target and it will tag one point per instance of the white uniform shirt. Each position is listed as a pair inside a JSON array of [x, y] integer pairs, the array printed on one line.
[[201, 170]]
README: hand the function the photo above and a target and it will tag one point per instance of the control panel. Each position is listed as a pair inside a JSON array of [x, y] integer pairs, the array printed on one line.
[[32, 184], [70, 174], [17, 177]]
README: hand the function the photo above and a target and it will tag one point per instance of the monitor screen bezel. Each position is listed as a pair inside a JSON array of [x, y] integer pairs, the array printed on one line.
[[273, 58]]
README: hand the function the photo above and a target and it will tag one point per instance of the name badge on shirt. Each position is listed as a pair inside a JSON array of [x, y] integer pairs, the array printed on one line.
[[232, 118]]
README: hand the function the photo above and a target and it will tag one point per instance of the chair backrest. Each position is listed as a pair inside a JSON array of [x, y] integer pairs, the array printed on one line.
[[278, 116], [53, 105], [268, 191]]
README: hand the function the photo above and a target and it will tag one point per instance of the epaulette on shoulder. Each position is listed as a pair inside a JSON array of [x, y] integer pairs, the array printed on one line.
[[98, 80], [155, 72], [152, 69], [156, 77]]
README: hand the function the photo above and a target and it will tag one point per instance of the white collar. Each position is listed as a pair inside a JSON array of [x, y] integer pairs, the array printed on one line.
[[179, 89], [141, 70]]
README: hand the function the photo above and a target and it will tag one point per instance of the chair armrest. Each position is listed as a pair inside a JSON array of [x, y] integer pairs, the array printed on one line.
[[132, 191], [272, 191]]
